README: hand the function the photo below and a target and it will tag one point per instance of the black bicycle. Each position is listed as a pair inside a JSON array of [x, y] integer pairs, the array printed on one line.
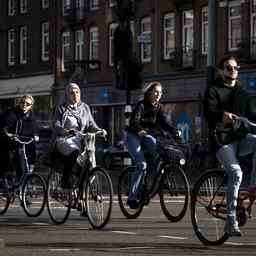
[[30, 189], [209, 204], [168, 180], [91, 193]]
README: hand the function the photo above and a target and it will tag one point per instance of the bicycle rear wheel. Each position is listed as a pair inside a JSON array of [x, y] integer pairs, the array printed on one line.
[[174, 193], [33, 195], [208, 207], [58, 200], [4, 196], [124, 184], [98, 197]]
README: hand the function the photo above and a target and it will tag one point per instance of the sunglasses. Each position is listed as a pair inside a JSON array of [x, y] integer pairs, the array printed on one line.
[[231, 68], [28, 104]]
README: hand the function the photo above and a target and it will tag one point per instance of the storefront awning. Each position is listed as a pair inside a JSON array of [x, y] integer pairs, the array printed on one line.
[[35, 85]]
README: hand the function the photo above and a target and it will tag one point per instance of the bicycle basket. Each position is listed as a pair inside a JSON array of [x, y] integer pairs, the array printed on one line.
[[171, 152]]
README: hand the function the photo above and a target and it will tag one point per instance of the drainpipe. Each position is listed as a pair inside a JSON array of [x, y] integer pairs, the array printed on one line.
[[211, 40]]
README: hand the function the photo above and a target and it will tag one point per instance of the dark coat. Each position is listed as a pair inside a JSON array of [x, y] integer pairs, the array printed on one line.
[[218, 99], [147, 117]]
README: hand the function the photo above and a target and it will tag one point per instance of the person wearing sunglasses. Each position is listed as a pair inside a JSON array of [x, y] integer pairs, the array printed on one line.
[[20, 121], [224, 100]]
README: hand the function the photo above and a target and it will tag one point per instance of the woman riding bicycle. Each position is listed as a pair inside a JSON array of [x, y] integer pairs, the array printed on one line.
[[147, 121], [20, 121], [224, 100], [72, 117]]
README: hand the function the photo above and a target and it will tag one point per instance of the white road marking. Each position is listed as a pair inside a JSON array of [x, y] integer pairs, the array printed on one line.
[[63, 249], [124, 232], [174, 237], [136, 247]]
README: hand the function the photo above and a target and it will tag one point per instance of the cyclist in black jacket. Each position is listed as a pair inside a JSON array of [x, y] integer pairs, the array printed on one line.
[[147, 120], [20, 121], [224, 100]]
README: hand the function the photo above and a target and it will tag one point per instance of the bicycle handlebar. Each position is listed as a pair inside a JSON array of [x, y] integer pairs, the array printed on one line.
[[22, 139]]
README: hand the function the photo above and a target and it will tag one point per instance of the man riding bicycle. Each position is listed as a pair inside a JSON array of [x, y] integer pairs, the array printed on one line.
[[147, 120], [224, 100]]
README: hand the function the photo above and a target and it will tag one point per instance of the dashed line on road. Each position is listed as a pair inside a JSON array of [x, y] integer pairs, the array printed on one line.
[[136, 247], [174, 237], [124, 232], [63, 249]]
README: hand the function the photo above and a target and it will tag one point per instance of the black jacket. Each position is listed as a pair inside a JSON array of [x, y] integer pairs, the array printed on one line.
[[21, 124], [220, 98], [147, 117]]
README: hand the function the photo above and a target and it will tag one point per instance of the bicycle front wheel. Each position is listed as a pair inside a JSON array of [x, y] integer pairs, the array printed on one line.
[[98, 197], [124, 184], [4, 196], [34, 195], [174, 193], [58, 200], [208, 207]]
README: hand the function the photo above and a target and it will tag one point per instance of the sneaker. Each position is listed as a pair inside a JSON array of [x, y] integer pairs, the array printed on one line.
[[232, 229], [133, 204]]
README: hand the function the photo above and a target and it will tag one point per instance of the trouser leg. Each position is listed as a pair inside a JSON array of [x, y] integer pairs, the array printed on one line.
[[227, 156]]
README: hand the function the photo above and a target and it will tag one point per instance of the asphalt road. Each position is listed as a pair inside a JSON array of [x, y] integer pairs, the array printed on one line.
[[150, 234]]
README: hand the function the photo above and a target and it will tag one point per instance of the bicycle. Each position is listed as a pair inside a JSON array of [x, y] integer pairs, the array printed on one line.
[[169, 181], [92, 190], [30, 189], [209, 204]]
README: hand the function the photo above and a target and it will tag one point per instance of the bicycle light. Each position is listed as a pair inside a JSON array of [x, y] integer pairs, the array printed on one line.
[[182, 161]]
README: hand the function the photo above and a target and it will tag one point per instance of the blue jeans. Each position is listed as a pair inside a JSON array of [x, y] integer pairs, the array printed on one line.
[[134, 143], [227, 155]]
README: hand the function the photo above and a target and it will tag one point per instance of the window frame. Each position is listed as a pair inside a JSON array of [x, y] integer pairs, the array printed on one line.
[[45, 4], [167, 30], [230, 41], [253, 29], [93, 43], [23, 45], [45, 39], [11, 47], [79, 44], [11, 8], [64, 45], [23, 6], [66, 5], [204, 30], [112, 28], [144, 47], [187, 47], [93, 5]]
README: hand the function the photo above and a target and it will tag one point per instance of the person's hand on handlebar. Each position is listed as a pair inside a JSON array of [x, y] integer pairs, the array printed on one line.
[[142, 133], [70, 132], [228, 118]]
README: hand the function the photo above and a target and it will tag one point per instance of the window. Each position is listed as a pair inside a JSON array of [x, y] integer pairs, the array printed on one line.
[[94, 44], [66, 50], [45, 4], [66, 6], [187, 38], [11, 7], [23, 6], [146, 46], [45, 41], [253, 28], [234, 25], [204, 23], [169, 35], [94, 4], [23, 45], [112, 28], [11, 47], [79, 45], [112, 3]]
